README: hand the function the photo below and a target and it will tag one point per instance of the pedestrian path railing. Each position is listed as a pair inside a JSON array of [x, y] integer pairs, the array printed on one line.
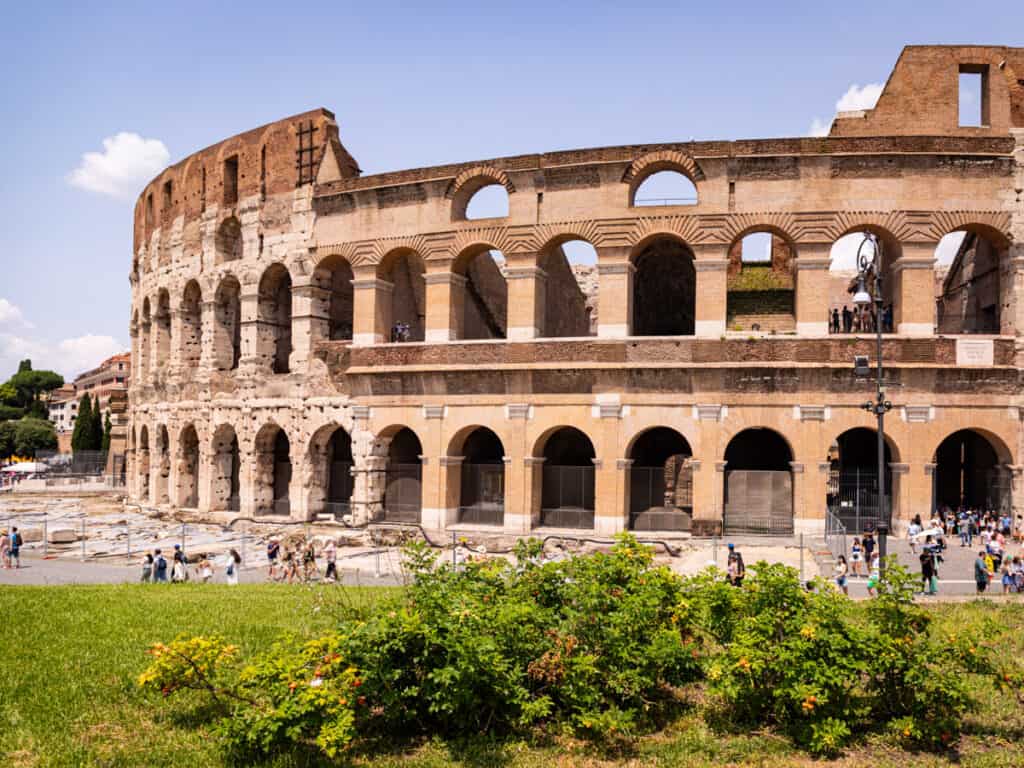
[[835, 534]]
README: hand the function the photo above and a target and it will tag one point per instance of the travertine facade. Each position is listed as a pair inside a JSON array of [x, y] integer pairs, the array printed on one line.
[[308, 341]]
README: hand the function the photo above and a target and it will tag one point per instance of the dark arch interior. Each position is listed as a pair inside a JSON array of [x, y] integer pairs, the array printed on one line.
[[275, 304], [664, 290], [758, 494], [660, 481], [482, 487], [226, 471], [482, 446], [405, 447], [403, 485], [569, 447], [567, 486], [968, 473], [853, 479], [339, 463], [282, 468], [338, 281], [228, 316], [758, 449], [190, 468], [656, 446], [408, 298]]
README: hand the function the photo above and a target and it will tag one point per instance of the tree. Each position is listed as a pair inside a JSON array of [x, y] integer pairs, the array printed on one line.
[[29, 385], [32, 435], [7, 432], [10, 413], [107, 426], [96, 432], [83, 425]]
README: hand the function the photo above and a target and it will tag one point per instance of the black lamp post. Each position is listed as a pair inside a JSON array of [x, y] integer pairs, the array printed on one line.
[[869, 280]]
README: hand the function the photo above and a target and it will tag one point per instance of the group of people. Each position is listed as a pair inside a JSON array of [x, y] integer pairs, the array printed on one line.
[[859, 320], [10, 548], [400, 332], [155, 567], [299, 561], [864, 561]]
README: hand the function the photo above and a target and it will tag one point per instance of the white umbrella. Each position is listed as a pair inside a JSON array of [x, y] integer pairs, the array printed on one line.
[[26, 467]]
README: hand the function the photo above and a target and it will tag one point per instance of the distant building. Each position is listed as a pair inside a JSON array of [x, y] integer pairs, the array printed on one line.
[[112, 375]]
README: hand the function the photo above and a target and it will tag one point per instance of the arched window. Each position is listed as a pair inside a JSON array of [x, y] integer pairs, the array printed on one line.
[[188, 468], [760, 293], [145, 342], [485, 294], [664, 289], [973, 296], [163, 452], [228, 241], [274, 342], [227, 328], [665, 188], [162, 326], [845, 316], [404, 270], [226, 488], [971, 472], [482, 482], [191, 326], [273, 472], [488, 202], [403, 480], [853, 480], [334, 303], [142, 466], [660, 482], [570, 289], [567, 481]]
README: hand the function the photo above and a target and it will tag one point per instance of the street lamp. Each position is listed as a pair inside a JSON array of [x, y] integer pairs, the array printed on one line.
[[869, 280]]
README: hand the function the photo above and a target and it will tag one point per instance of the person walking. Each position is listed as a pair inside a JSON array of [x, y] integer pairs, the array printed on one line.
[[206, 570], [875, 575], [868, 543], [735, 570], [840, 570], [273, 550], [309, 569], [980, 572], [15, 548], [147, 568], [834, 327], [331, 555], [179, 570], [159, 567], [928, 572], [234, 564], [5, 549]]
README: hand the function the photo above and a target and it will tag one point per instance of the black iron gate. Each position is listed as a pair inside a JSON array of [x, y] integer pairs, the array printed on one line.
[[482, 500], [758, 501], [854, 500], [660, 498], [567, 497], [403, 493]]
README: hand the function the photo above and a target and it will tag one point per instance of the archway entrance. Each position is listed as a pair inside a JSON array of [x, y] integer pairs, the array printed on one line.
[[188, 468], [567, 480], [664, 290], [334, 299], [660, 482], [852, 494], [275, 318], [969, 474], [403, 479], [163, 473], [142, 464], [758, 492], [482, 485], [227, 328], [225, 490], [339, 474], [273, 472]]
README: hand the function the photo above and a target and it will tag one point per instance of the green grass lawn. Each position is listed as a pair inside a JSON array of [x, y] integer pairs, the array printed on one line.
[[69, 657]]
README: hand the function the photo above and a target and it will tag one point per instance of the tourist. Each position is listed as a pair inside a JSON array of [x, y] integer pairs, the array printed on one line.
[[929, 569], [847, 320], [875, 574], [5, 549], [735, 569], [179, 570], [963, 526], [308, 561], [160, 567], [205, 570], [273, 550], [1017, 569], [981, 572], [15, 548], [331, 555], [147, 568], [869, 546], [913, 531], [840, 570], [856, 557], [291, 565], [234, 564], [1018, 530]]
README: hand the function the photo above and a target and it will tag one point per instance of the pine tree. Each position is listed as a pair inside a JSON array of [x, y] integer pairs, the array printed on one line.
[[83, 425], [96, 433], [106, 433]]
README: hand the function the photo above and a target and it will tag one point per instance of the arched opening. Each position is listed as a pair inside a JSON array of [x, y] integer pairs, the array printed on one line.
[[163, 474], [188, 468], [226, 486], [971, 473], [482, 481], [973, 294], [760, 292], [488, 202], [853, 480], [145, 341], [227, 325], [404, 271], [844, 316], [273, 472], [142, 465], [228, 241], [274, 335], [333, 301], [567, 480], [758, 490], [570, 289], [331, 461], [485, 296], [664, 289], [191, 325], [403, 478], [660, 490], [162, 328], [665, 188]]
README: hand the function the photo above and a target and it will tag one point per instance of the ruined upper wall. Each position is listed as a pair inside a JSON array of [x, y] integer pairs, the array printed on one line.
[[269, 161], [921, 96]]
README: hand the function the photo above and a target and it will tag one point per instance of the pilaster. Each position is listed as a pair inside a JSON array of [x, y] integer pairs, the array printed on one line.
[[812, 289], [711, 266], [615, 292]]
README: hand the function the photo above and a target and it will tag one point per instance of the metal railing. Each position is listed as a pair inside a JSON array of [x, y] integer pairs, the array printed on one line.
[[643, 201], [482, 513], [567, 497], [835, 535]]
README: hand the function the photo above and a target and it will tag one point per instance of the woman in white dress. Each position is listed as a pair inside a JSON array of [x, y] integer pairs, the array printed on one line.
[[233, 562]]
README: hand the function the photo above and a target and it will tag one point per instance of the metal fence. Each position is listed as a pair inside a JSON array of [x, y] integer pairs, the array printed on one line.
[[75, 463], [403, 493], [758, 502], [653, 506], [835, 535], [853, 498], [482, 494], [567, 497]]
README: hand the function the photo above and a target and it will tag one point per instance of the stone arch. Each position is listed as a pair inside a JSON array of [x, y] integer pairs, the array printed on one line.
[[161, 476], [191, 341], [228, 241], [659, 491], [404, 269], [187, 491], [331, 464], [226, 465], [972, 470], [761, 288], [977, 291], [471, 181], [758, 482], [664, 287], [273, 471], [679, 170], [402, 490], [567, 310], [483, 294], [664, 160], [227, 324], [274, 311], [162, 332], [844, 247], [852, 494], [142, 466], [479, 476], [567, 478], [333, 299], [145, 341]]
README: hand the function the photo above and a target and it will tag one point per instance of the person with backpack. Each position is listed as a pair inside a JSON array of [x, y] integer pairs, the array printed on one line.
[[159, 567], [147, 568], [273, 550], [16, 542], [234, 564], [734, 567]]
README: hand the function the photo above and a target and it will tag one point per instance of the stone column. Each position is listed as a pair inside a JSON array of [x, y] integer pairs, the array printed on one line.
[[250, 360], [207, 350], [306, 321], [518, 519], [812, 289], [449, 479], [446, 292], [176, 365], [615, 292], [610, 513], [1011, 320], [913, 294], [707, 498], [533, 469], [711, 265], [527, 285], [371, 300], [899, 510]]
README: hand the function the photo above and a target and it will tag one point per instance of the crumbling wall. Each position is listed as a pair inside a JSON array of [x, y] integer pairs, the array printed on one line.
[[565, 304], [486, 306]]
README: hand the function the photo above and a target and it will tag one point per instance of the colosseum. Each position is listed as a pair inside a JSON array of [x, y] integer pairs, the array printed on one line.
[[593, 353]]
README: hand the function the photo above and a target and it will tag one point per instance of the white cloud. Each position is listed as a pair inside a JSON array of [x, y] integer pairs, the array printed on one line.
[[126, 162], [856, 98], [11, 315], [68, 357]]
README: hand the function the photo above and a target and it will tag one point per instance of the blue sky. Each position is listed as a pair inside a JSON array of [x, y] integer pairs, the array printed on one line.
[[411, 85]]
